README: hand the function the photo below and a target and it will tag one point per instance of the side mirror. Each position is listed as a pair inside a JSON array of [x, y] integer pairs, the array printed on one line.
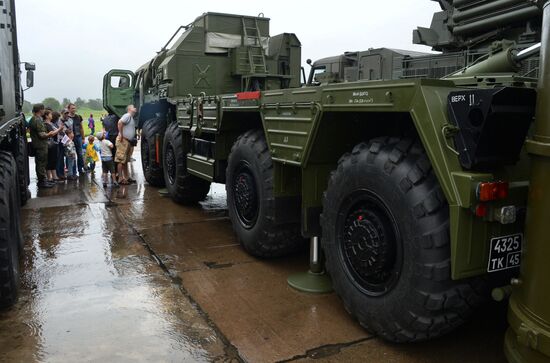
[[309, 61], [30, 66], [30, 78]]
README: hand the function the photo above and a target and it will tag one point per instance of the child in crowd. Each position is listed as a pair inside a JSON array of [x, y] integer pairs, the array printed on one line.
[[107, 162], [91, 154], [70, 154], [91, 124]]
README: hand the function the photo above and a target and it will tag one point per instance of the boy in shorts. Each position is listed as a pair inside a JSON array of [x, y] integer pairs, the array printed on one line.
[[107, 162], [126, 134]]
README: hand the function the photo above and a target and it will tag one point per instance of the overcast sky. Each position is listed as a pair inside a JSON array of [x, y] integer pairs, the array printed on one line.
[[74, 43]]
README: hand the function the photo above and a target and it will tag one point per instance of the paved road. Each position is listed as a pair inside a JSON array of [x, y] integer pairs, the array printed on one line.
[[127, 275]]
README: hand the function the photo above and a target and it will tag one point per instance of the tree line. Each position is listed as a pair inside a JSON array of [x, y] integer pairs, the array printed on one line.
[[94, 104]]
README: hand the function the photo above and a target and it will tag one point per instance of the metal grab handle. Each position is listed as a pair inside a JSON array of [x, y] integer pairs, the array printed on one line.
[[448, 131]]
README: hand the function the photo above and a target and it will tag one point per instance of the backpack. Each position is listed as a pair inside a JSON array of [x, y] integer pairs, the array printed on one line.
[[110, 124]]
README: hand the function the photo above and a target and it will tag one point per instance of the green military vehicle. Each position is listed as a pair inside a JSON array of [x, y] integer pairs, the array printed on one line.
[[220, 53], [417, 186], [14, 165], [463, 32]]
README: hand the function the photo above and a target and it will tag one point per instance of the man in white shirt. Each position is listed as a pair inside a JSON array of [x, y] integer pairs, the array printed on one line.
[[126, 133]]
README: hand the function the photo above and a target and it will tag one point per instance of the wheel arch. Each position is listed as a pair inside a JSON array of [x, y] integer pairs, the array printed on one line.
[[341, 131], [231, 126], [151, 110], [287, 179]]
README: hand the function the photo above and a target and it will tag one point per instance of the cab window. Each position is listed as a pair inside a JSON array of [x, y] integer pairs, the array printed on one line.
[[316, 70], [120, 81]]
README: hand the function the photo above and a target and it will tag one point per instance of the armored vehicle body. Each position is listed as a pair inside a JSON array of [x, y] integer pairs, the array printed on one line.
[[416, 185], [462, 32], [14, 169]]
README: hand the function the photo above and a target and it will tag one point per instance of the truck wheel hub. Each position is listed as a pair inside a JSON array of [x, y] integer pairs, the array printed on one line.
[[246, 197], [145, 155], [170, 164], [369, 246]]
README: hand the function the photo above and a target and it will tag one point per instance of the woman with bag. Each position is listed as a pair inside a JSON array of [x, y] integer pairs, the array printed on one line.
[[51, 174]]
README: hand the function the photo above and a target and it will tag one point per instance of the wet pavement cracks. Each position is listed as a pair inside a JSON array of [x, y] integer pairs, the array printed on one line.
[[127, 275]]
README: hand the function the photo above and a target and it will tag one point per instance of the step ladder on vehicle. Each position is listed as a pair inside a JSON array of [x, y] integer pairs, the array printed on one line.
[[252, 39]]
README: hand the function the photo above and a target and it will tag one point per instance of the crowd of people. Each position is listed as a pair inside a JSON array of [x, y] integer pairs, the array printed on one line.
[[63, 151]]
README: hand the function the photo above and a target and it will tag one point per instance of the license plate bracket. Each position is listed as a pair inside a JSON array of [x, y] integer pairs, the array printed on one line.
[[505, 252]]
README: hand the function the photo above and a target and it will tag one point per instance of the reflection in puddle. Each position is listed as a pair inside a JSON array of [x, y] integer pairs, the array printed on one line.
[[90, 290], [216, 199]]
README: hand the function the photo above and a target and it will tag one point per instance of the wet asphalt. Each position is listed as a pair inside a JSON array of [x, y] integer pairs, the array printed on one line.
[[126, 275]]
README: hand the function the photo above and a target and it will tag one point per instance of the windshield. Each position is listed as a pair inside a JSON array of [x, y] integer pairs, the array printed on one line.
[[315, 70]]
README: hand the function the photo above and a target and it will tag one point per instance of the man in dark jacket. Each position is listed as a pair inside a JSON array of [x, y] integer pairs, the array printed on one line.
[[39, 136]]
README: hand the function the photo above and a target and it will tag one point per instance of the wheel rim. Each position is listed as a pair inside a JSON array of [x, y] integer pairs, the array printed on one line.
[[170, 158], [245, 195], [370, 243], [145, 161]]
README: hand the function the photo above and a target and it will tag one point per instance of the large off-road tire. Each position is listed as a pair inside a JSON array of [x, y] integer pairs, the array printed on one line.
[[385, 228], [21, 196], [182, 186], [250, 200], [152, 170], [22, 161], [10, 230]]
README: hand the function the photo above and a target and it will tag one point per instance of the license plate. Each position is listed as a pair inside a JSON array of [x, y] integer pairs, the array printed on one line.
[[505, 252]]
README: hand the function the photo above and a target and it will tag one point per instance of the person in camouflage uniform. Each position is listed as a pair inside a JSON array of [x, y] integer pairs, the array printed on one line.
[[39, 136]]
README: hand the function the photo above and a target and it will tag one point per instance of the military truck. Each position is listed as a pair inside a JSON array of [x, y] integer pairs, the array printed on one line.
[[386, 64], [216, 54], [463, 32], [416, 186], [14, 165]]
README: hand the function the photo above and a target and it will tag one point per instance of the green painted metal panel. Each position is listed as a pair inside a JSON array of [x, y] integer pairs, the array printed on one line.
[[118, 90], [184, 113], [288, 129], [200, 166], [231, 23]]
